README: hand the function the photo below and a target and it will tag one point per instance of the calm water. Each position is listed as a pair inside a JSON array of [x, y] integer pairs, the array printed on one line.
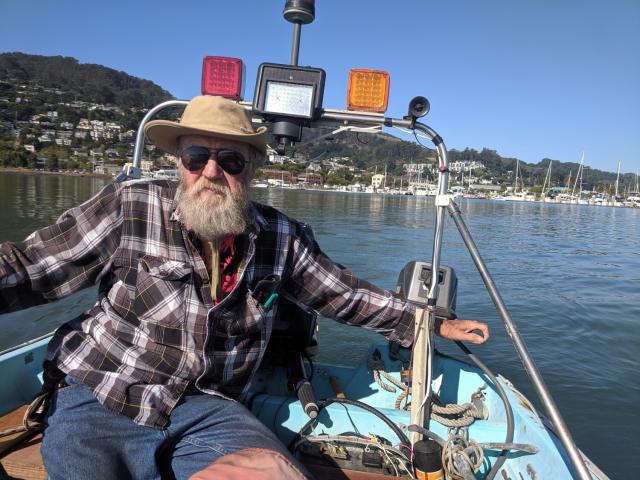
[[570, 276]]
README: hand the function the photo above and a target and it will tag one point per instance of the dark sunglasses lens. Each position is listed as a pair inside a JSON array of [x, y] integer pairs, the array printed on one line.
[[231, 161], [195, 158]]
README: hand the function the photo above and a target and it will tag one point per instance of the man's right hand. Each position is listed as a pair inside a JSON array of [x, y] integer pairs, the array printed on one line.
[[463, 330]]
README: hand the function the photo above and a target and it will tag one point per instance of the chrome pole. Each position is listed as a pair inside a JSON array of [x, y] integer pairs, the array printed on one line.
[[137, 152], [527, 361]]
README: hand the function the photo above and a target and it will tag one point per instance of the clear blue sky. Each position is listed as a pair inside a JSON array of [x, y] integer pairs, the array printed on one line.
[[530, 79]]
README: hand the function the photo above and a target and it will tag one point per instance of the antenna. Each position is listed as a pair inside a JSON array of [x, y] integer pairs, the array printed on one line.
[[298, 12]]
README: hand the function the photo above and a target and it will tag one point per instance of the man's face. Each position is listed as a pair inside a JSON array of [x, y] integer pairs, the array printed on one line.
[[212, 202], [212, 171]]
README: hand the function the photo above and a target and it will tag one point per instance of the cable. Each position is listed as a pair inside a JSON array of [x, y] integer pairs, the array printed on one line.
[[507, 406], [390, 453], [399, 433]]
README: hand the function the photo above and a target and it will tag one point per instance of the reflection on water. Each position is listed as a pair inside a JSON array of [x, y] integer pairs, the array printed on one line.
[[570, 275], [31, 201]]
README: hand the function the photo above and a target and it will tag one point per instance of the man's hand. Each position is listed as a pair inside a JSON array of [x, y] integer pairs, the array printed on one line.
[[462, 330]]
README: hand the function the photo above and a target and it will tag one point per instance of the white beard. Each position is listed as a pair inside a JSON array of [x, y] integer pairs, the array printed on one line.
[[212, 217]]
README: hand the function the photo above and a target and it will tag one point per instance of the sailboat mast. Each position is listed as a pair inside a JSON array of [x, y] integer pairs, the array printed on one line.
[[547, 179], [618, 179], [385, 175]]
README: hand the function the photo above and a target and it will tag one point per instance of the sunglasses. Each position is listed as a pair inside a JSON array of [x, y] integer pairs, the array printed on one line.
[[194, 158]]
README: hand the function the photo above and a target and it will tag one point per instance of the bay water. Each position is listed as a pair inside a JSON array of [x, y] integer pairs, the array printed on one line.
[[569, 274]]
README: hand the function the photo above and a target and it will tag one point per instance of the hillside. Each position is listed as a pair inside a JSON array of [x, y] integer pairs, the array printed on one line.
[[94, 83], [56, 112]]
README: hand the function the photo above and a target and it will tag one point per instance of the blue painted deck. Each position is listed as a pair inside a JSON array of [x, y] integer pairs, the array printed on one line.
[[454, 381]]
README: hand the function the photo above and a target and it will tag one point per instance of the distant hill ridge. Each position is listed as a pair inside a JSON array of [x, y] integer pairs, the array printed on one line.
[[96, 83]]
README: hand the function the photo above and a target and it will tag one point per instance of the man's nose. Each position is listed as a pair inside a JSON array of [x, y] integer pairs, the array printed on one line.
[[212, 169]]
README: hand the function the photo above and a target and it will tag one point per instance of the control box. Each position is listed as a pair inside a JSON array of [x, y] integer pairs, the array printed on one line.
[[414, 282]]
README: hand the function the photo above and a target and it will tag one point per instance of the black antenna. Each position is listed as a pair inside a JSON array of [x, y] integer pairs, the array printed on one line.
[[298, 12]]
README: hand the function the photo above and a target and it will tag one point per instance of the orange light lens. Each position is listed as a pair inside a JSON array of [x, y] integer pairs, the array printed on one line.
[[368, 90]]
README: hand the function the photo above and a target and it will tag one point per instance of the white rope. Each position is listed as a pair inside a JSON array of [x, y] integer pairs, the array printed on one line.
[[468, 412], [461, 450]]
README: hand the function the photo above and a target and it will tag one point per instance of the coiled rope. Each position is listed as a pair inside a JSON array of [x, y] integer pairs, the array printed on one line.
[[467, 412], [460, 455]]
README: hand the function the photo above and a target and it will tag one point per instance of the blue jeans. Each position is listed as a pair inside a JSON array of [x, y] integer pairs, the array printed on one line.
[[83, 440]]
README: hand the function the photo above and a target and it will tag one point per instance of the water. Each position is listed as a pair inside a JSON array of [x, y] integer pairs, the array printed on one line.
[[569, 274]]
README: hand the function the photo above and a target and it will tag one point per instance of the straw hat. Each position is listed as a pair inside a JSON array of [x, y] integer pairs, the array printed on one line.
[[210, 116]]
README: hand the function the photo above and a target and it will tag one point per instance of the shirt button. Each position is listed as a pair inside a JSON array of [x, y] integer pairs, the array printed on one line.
[[164, 273]]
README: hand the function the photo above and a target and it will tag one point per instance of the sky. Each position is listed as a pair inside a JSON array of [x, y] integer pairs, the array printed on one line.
[[531, 79]]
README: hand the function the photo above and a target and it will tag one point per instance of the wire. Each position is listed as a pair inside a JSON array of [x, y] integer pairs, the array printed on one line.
[[390, 452], [399, 433], [381, 447], [507, 406]]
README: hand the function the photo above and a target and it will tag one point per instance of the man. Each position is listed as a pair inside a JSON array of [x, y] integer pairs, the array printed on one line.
[[149, 377]]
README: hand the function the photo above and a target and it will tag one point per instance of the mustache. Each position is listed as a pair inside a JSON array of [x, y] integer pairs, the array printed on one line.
[[203, 183]]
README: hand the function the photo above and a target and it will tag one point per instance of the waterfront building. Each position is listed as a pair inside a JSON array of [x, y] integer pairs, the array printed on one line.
[[282, 175], [377, 181], [311, 178]]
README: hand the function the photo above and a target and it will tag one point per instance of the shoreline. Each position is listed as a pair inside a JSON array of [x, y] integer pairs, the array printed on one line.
[[44, 172]]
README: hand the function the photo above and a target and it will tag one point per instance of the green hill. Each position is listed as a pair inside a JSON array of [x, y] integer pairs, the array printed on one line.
[[94, 83]]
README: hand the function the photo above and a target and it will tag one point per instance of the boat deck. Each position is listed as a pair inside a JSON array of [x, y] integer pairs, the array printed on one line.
[[22, 461]]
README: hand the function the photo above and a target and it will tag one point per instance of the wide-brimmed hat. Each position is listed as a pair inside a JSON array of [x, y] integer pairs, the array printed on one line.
[[210, 116]]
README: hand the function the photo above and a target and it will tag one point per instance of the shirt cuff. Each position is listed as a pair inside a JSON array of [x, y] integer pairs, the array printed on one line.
[[404, 331]]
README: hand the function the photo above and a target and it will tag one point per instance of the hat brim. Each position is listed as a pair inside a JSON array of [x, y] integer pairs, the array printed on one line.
[[164, 134]]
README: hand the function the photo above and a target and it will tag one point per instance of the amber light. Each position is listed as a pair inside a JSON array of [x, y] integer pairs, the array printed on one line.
[[223, 76], [368, 90]]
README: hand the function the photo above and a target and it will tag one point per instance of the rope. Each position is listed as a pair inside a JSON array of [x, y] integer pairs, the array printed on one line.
[[31, 424], [401, 397], [458, 454], [467, 411], [29, 420], [384, 386]]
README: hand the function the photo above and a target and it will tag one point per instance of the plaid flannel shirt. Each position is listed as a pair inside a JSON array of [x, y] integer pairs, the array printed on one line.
[[154, 328]]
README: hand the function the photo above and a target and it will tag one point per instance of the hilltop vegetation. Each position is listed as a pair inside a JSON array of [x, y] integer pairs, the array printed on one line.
[[92, 83]]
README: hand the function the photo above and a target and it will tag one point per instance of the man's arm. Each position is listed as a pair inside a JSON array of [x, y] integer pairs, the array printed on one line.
[[334, 292], [61, 259]]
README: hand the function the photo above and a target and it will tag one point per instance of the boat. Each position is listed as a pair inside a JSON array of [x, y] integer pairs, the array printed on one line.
[[355, 391], [398, 413], [521, 196]]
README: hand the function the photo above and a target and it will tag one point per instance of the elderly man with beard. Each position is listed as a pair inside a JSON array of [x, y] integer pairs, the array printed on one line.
[[149, 382]]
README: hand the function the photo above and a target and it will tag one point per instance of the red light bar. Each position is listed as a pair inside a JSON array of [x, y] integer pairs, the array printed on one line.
[[223, 76]]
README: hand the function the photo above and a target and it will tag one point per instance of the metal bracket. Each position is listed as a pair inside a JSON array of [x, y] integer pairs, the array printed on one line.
[[444, 200]]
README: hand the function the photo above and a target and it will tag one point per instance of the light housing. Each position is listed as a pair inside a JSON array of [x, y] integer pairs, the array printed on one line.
[[289, 91], [368, 90], [223, 76]]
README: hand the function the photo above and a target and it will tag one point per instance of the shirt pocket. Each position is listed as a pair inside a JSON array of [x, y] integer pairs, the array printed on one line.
[[163, 288]]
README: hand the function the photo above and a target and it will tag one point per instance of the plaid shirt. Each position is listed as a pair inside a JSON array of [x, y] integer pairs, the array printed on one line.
[[154, 328]]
